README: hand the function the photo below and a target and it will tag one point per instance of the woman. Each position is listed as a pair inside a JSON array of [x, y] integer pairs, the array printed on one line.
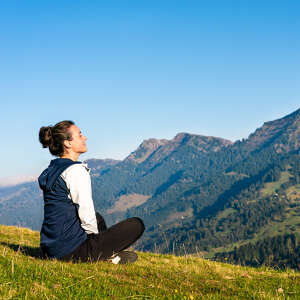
[[71, 229]]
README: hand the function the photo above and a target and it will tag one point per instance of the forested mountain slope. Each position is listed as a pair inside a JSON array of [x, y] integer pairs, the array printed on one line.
[[207, 194]]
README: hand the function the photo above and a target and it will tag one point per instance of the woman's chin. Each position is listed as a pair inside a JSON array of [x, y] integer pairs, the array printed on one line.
[[83, 151]]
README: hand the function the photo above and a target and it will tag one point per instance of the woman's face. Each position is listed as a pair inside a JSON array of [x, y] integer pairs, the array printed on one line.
[[77, 145]]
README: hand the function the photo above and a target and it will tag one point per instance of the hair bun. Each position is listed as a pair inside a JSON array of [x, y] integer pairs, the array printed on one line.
[[55, 136], [45, 136]]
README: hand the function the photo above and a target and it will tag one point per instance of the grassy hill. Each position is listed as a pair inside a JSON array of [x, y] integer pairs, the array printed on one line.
[[154, 276]]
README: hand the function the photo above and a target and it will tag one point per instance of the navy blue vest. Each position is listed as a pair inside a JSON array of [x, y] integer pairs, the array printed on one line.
[[61, 231]]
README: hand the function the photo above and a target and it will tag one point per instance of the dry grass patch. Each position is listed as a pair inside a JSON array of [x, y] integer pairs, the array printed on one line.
[[153, 276]]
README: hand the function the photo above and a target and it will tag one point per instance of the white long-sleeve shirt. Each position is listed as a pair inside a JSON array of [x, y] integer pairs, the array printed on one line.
[[78, 181]]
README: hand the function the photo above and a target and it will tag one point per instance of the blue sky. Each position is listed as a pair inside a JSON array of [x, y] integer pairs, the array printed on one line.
[[126, 71]]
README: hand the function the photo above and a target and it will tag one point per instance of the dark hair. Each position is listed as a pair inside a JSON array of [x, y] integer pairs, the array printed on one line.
[[54, 137]]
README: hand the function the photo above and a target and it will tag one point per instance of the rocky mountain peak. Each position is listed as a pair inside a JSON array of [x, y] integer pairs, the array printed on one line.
[[183, 135], [180, 136], [153, 143], [283, 133], [146, 148]]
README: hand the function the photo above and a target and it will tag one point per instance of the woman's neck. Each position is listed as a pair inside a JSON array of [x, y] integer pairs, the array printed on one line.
[[73, 156]]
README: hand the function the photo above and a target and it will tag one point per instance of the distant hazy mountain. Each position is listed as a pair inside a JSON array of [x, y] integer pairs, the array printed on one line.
[[14, 180], [22, 204], [195, 193]]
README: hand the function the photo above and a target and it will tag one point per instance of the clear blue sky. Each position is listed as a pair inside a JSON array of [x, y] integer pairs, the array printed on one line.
[[126, 71]]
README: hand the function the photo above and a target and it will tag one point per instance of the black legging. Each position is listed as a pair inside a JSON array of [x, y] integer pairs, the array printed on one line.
[[109, 241]]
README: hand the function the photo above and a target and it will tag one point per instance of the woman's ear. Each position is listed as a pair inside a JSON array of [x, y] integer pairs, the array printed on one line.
[[67, 144]]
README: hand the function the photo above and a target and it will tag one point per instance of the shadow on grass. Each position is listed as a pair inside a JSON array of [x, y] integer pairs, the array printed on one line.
[[26, 250]]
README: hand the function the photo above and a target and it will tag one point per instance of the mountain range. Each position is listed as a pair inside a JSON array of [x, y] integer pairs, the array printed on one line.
[[195, 193]]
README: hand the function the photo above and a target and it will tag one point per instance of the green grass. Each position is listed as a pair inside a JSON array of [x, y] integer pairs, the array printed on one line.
[[225, 213], [271, 187], [293, 193], [153, 276]]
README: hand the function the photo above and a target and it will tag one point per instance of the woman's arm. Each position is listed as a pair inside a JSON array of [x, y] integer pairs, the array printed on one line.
[[78, 181]]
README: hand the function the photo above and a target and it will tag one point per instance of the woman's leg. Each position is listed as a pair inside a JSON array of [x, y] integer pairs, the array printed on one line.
[[116, 238], [108, 242], [84, 252], [80, 254]]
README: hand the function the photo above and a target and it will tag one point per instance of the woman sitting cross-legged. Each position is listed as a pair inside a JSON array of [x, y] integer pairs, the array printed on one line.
[[71, 229]]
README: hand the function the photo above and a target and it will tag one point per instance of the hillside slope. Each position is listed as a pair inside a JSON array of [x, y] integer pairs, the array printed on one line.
[[262, 204], [153, 276]]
